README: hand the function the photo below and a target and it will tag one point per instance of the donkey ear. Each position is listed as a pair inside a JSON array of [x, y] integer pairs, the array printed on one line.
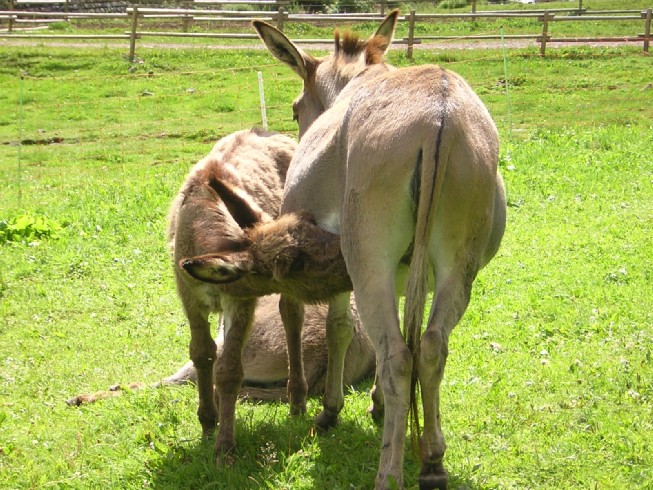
[[284, 50], [216, 269], [241, 206], [386, 30]]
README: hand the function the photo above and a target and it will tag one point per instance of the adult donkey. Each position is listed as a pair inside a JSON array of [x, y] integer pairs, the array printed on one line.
[[402, 163]]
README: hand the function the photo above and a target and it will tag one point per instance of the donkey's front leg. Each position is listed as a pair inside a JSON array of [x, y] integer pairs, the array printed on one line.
[[238, 319], [202, 352], [339, 332], [292, 316]]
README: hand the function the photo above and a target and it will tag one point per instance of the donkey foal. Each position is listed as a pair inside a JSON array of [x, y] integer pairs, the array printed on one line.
[[223, 212], [251, 164], [265, 358]]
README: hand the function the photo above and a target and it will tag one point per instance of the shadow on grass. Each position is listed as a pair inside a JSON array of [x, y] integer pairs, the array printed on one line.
[[276, 451]]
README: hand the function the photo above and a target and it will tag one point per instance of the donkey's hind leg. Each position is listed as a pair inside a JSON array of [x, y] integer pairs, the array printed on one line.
[[229, 373], [450, 300], [377, 408], [202, 352]]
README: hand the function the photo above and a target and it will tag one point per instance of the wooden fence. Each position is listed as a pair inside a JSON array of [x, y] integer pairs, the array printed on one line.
[[543, 16], [197, 12]]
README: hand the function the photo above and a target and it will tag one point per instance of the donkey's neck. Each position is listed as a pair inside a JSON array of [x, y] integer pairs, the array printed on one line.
[[341, 77], [360, 80]]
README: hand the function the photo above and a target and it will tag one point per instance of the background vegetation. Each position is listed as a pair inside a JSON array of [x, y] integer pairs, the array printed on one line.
[[531, 26], [549, 382]]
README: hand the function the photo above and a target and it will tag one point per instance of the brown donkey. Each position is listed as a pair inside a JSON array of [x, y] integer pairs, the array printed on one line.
[[227, 205], [265, 358], [402, 164]]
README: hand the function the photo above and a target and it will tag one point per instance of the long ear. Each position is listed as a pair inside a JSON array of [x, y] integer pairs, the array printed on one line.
[[217, 269], [284, 50], [242, 208], [386, 30]]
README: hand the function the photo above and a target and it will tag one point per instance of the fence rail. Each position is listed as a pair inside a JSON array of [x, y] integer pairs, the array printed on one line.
[[187, 16]]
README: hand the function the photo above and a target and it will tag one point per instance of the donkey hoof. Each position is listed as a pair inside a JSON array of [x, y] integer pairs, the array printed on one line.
[[208, 423], [297, 409], [208, 431], [224, 455], [325, 420], [432, 481]]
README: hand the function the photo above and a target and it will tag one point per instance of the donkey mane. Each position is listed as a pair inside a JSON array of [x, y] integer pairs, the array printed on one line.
[[351, 45]]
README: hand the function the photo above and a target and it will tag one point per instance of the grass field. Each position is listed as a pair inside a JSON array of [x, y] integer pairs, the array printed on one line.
[[549, 382]]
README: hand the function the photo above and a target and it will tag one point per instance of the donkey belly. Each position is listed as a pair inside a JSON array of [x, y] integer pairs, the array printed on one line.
[[315, 181]]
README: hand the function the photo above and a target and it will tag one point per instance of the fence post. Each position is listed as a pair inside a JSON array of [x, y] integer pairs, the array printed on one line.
[[10, 27], [545, 32], [411, 35], [280, 14], [383, 6], [647, 30], [187, 19], [186, 22], [580, 7], [473, 10], [132, 38]]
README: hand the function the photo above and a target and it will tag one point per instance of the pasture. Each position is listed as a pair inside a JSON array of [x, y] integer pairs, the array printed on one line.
[[549, 382]]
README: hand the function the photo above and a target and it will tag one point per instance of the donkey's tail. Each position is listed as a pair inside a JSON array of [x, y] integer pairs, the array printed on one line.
[[430, 174]]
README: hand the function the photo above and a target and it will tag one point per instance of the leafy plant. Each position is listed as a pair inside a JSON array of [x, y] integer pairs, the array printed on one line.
[[27, 228], [453, 4]]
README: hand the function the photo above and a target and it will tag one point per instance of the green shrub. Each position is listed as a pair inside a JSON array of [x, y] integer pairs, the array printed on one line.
[[28, 228], [453, 4]]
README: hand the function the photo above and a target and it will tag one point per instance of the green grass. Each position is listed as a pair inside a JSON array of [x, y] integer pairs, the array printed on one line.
[[549, 382]]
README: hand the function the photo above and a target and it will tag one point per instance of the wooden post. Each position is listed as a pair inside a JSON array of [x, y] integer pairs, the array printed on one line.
[[186, 19], [580, 7], [473, 10], [383, 6], [10, 27], [647, 30], [411, 35], [280, 14], [545, 32], [132, 38]]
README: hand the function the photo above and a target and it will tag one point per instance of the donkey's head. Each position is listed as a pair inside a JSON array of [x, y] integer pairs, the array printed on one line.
[[324, 78], [288, 255]]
